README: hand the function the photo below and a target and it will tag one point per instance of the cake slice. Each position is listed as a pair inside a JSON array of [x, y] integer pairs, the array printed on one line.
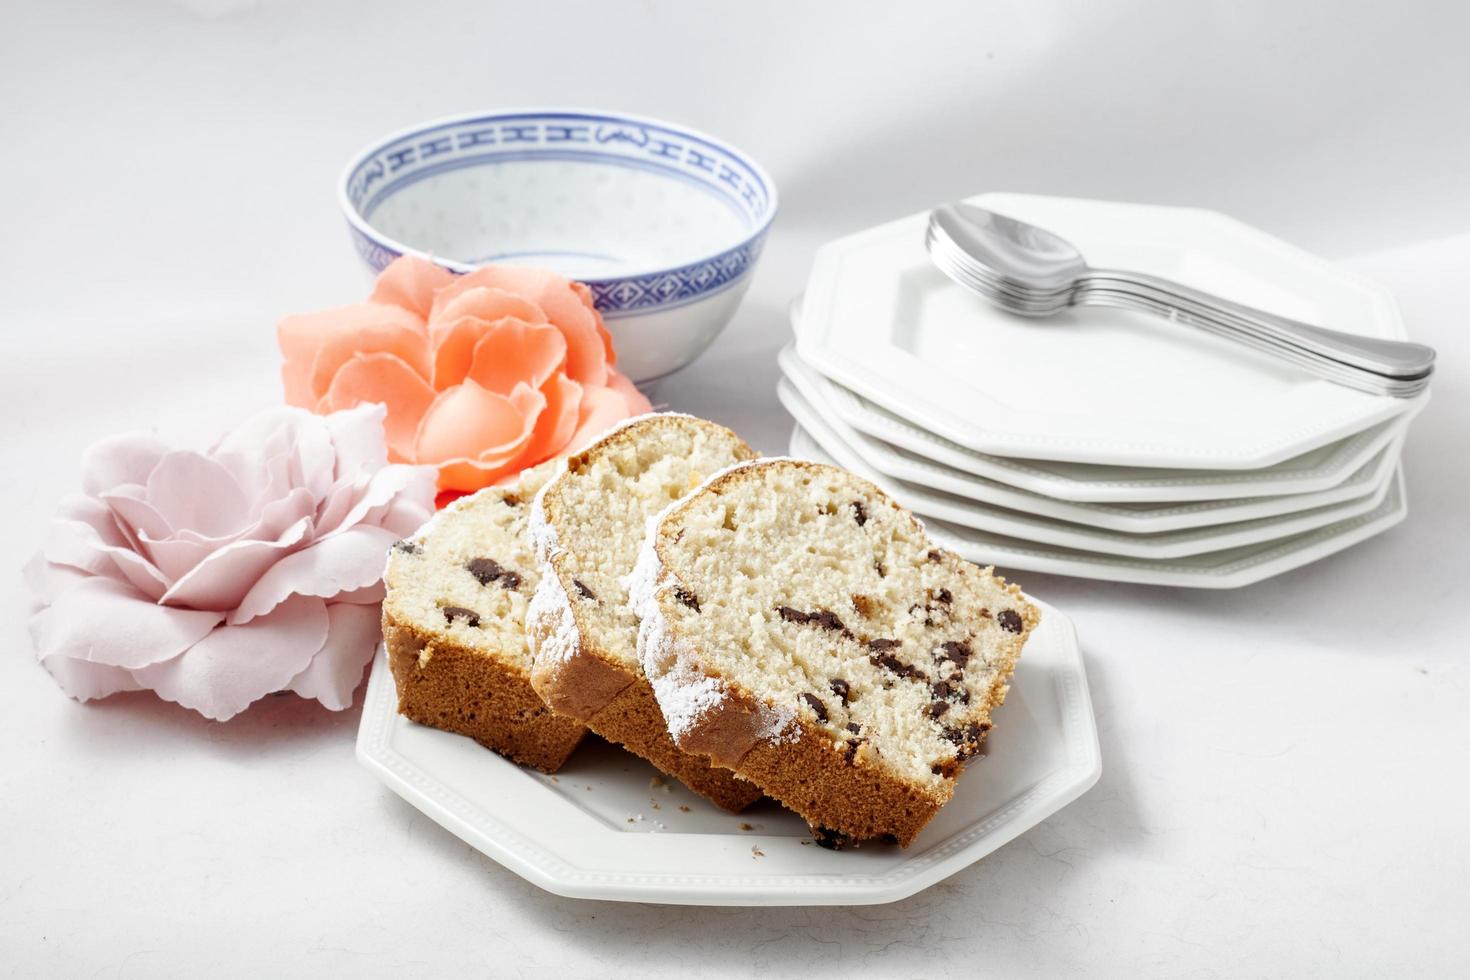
[[800, 628], [454, 623], [588, 526]]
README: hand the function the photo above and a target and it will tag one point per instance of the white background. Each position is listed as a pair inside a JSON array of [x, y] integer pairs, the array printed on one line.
[[1285, 767]]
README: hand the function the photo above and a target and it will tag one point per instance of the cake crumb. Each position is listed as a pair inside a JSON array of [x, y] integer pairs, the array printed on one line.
[[804, 843], [746, 826], [656, 782], [555, 780], [756, 852], [683, 808], [654, 804]]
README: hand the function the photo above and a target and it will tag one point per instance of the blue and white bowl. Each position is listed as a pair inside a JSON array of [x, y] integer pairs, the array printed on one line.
[[662, 222]]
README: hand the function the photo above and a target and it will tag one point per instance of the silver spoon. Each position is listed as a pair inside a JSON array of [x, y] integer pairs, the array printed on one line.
[[1034, 272]]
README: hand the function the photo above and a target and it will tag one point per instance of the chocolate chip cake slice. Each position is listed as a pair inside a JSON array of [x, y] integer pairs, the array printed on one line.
[[454, 623], [800, 628], [588, 526]]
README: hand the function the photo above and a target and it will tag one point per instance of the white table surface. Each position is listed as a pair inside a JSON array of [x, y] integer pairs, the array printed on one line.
[[1285, 767]]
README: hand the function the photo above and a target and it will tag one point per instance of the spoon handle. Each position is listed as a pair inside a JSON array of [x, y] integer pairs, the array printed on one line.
[[1393, 358]]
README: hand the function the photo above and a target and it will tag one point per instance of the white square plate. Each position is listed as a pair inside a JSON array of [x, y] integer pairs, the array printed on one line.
[[607, 827], [1228, 569], [1090, 385], [1134, 518], [969, 513]]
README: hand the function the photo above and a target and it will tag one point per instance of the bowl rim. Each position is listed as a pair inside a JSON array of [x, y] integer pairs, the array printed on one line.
[[364, 228]]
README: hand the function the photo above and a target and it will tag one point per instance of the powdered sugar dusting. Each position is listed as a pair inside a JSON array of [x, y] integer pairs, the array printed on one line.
[[551, 628], [686, 696]]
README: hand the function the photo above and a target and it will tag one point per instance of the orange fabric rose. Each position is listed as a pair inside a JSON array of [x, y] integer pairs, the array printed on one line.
[[482, 375]]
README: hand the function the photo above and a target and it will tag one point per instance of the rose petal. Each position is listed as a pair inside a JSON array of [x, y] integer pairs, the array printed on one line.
[[196, 492], [131, 508], [101, 620], [467, 300], [403, 515], [557, 422], [357, 434], [579, 323], [585, 295], [385, 379], [601, 409], [175, 556], [348, 509], [512, 352], [86, 535], [455, 344], [348, 561], [367, 596], [222, 579], [638, 403], [232, 666], [336, 670], [410, 282], [86, 681], [278, 515], [468, 422], [46, 580], [315, 345], [79, 545], [127, 458]]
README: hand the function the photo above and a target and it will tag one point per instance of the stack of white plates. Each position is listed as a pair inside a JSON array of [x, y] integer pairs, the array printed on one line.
[[1100, 443]]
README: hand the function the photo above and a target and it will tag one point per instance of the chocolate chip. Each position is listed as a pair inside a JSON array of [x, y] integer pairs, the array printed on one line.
[[941, 689], [968, 738], [470, 617], [832, 840], [957, 651], [945, 596], [583, 591], [827, 620], [487, 570], [935, 555], [878, 567], [688, 598], [511, 500], [881, 644], [859, 512], [841, 689], [892, 664], [936, 708], [855, 728], [407, 547], [815, 703], [1010, 621]]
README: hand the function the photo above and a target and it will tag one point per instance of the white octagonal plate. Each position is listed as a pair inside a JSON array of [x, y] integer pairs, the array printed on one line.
[[952, 509], [1230, 568], [1093, 385], [1134, 518], [608, 827]]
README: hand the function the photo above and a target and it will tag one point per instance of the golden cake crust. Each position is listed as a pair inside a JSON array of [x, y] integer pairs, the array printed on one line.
[[444, 685], [843, 793]]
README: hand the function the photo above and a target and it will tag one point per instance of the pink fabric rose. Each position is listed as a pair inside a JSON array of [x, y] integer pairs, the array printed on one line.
[[214, 579], [483, 375]]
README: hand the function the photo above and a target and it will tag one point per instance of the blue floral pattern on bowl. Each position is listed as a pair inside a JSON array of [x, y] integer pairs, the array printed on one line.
[[618, 141]]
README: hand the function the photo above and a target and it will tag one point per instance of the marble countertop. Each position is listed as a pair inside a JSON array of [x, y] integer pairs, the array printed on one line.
[[1284, 787]]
